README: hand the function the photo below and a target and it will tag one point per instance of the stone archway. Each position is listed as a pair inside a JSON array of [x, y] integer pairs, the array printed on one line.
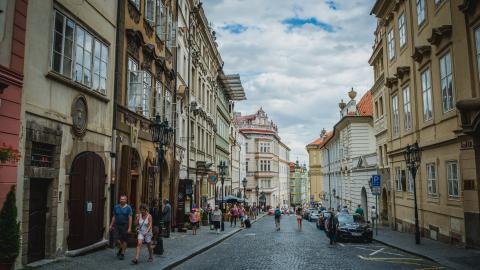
[[364, 202]]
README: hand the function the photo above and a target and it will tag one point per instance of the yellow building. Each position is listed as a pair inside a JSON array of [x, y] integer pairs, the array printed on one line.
[[315, 169], [425, 50]]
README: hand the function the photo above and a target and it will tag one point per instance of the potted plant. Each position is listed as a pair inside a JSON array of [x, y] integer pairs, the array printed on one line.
[[8, 154], [9, 232], [204, 218]]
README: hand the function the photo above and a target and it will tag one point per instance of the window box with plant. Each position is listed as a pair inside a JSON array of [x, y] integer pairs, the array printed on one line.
[[8, 154]]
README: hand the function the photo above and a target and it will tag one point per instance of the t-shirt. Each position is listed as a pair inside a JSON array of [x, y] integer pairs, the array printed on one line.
[[122, 214], [359, 211], [234, 212], [278, 213]]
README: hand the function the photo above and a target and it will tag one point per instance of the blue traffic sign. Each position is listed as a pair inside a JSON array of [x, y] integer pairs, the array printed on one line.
[[376, 180]]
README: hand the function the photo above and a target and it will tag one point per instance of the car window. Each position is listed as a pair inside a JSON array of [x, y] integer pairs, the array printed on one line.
[[345, 219]]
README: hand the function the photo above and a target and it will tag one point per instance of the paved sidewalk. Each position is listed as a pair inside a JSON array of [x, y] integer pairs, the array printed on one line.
[[179, 247], [447, 255]]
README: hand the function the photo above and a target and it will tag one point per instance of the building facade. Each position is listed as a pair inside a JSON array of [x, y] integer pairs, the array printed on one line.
[[263, 159], [12, 50], [298, 184], [67, 113], [315, 170], [430, 69], [348, 156]]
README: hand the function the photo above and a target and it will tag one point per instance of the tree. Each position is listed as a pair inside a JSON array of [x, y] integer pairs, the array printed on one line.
[[9, 229]]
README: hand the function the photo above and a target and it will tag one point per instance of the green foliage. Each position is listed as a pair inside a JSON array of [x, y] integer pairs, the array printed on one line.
[[204, 216], [9, 230]]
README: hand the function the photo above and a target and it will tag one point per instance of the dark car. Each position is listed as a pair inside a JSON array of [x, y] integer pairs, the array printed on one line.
[[324, 215], [353, 227]]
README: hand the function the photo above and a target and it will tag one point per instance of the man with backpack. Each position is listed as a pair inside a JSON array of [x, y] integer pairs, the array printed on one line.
[[278, 215], [332, 227]]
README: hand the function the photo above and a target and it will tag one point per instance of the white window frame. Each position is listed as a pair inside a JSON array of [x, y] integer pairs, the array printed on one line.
[[402, 30], [421, 12], [431, 173], [159, 103], [391, 44], [146, 93], [65, 55], [426, 83], [453, 182], [409, 176], [395, 116], [407, 109], [446, 80]]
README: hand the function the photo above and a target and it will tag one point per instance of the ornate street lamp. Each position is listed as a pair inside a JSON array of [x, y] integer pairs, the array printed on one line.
[[222, 167], [161, 136], [412, 156], [244, 183]]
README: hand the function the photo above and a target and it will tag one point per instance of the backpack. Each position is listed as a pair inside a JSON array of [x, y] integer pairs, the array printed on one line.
[[278, 212]]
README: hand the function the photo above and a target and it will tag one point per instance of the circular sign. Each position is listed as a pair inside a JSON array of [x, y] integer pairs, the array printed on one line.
[[79, 115], [212, 178]]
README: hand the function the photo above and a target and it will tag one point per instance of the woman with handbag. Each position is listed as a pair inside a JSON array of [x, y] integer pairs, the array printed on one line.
[[144, 233]]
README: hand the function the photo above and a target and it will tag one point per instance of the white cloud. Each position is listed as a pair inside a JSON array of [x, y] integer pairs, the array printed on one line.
[[297, 75]]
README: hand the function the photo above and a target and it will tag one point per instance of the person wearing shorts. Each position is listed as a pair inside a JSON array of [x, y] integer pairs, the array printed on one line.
[[299, 214], [144, 233], [121, 225], [217, 218], [194, 221]]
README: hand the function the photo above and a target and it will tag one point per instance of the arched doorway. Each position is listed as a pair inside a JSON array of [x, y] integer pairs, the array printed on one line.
[[86, 200], [129, 174], [364, 202], [384, 210]]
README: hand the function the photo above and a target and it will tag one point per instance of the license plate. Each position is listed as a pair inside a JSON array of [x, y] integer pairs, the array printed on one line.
[[356, 234]]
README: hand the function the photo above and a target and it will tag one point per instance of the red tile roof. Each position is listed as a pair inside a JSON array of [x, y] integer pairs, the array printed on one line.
[[365, 106], [319, 142]]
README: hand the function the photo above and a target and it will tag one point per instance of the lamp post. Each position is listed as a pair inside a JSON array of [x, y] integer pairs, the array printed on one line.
[[161, 136], [244, 183], [412, 156], [222, 167]]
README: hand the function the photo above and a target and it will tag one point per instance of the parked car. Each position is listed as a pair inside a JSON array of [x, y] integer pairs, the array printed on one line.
[[314, 215], [353, 227], [324, 215], [306, 212]]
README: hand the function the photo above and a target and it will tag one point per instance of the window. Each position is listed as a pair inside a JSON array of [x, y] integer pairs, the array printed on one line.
[[398, 178], [391, 44], [70, 42], [139, 88], [63, 45], [407, 111], [171, 30], [376, 109], [265, 147], [381, 105], [168, 106], [147, 89], [409, 182], [246, 166], [265, 166], [446, 82], [161, 21], [402, 30], [246, 147], [427, 95], [150, 11], [395, 116], [452, 178], [136, 3], [431, 178], [159, 99], [420, 12], [477, 45]]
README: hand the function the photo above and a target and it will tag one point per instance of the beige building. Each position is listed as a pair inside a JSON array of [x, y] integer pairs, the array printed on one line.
[[428, 63], [64, 176], [315, 170]]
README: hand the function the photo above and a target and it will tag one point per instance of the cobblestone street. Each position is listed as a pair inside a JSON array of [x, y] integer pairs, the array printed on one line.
[[264, 248]]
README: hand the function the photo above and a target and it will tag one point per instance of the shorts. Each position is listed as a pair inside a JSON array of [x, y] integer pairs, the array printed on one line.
[[147, 238], [121, 232], [195, 224], [216, 224]]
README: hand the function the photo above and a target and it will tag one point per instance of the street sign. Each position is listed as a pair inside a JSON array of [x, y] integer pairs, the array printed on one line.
[[376, 180], [212, 178]]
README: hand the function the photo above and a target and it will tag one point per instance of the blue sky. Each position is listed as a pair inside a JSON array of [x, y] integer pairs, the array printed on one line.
[[297, 59]]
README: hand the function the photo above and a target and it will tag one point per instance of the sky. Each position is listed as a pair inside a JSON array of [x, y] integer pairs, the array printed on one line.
[[296, 58]]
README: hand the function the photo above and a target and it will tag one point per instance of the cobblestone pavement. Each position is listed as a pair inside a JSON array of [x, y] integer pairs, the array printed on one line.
[[261, 247]]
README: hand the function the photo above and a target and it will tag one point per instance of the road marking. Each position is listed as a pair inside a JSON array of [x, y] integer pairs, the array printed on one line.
[[431, 268], [389, 253], [375, 252], [341, 244], [250, 234]]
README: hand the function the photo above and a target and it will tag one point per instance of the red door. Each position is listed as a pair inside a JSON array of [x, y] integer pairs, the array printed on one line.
[[87, 201]]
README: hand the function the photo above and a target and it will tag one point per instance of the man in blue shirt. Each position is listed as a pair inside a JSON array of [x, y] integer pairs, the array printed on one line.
[[122, 224]]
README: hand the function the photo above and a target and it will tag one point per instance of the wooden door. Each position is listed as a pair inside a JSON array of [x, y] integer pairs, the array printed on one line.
[[37, 219], [87, 201]]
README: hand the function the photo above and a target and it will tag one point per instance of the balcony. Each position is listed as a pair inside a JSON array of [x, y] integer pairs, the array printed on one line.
[[261, 174]]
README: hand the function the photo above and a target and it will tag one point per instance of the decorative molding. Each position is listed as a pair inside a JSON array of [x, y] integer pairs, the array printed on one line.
[[148, 28], [402, 71], [470, 115], [468, 6], [390, 82], [421, 52], [440, 33], [133, 12], [148, 56], [134, 41], [79, 114]]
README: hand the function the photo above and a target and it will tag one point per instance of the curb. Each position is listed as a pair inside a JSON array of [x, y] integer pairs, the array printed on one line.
[[406, 250], [206, 247]]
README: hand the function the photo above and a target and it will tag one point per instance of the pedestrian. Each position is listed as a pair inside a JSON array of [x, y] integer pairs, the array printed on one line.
[[144, 226], [254, 211], [193, 221], [233, 216], [122, 225], [332, 227], [217, 218], [278, 215], [155, 213], [298, 214], [209, 216], [344, 210], [359, 210], [373, 215], [242, 214], [167, 217]]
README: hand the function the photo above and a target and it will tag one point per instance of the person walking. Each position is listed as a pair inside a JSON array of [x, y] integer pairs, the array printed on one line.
[[359, 210], [121, 225], [344, 210], [167, 217], [194, 221], [332, 227], [373, 215], [298, 214], [233, 216], [278, 215], [217, 218], [242, 213], [144, 226], [155, 213]]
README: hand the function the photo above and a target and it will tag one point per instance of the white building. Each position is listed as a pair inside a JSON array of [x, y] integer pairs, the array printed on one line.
[[349, 156]]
